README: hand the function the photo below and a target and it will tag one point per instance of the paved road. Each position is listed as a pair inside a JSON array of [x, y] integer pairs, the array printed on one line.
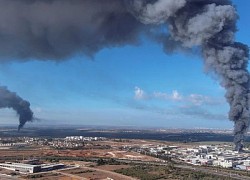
[[120, 176]]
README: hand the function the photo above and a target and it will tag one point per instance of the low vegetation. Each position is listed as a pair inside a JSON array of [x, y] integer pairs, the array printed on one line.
[[47, 175], [82, 171], [147, 172]]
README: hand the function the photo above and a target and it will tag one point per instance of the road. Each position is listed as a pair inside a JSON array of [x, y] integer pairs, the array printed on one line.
[[206, 170]]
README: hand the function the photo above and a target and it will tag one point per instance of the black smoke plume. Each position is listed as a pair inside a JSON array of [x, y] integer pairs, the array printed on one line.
[[211, 25], [12, 100], [57, 29]]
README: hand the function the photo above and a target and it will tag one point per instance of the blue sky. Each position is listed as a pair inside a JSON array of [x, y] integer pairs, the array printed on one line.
[[127, 86]]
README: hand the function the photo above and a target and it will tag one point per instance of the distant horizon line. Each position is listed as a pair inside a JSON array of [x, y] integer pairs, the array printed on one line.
[[81, 126]]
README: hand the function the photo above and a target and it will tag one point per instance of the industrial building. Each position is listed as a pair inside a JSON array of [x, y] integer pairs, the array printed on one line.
[[28, 168], [50, 167], [24, 168]]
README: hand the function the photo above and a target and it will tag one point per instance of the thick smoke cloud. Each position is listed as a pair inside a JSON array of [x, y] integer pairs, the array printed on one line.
[[57, 29], [12, 100], [157, 12], [211, 25]]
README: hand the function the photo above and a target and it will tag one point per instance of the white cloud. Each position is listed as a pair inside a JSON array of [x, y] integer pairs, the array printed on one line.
[[198, 100], [191, 106], [139, 94], [175, 96]]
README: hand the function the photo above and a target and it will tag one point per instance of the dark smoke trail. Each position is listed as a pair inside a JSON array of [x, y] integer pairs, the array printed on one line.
[[230, 62], [57, 29], [210, 24], [22, 107]]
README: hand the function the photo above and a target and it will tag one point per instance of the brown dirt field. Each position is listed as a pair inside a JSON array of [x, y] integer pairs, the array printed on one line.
[[47, 176], [6, 171], [94, 173], [133, 142], [89, 174], [102, 153], [64, 178], [25, 153], [81, 163], [97, 175]]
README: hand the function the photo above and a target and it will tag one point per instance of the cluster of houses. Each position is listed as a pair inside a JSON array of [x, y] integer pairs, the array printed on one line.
[[82, 138], [12, 144], [68, 142], [59, 143]]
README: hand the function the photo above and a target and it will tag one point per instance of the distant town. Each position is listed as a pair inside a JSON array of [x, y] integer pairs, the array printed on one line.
[[220, 155], [101, 157]]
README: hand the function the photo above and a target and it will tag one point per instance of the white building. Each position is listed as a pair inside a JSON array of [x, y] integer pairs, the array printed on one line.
[[226, 163], [25, 168]]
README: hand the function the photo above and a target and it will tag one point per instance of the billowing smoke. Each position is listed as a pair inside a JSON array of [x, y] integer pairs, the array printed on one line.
[[12, 100], [211, 25], [57, 29]]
